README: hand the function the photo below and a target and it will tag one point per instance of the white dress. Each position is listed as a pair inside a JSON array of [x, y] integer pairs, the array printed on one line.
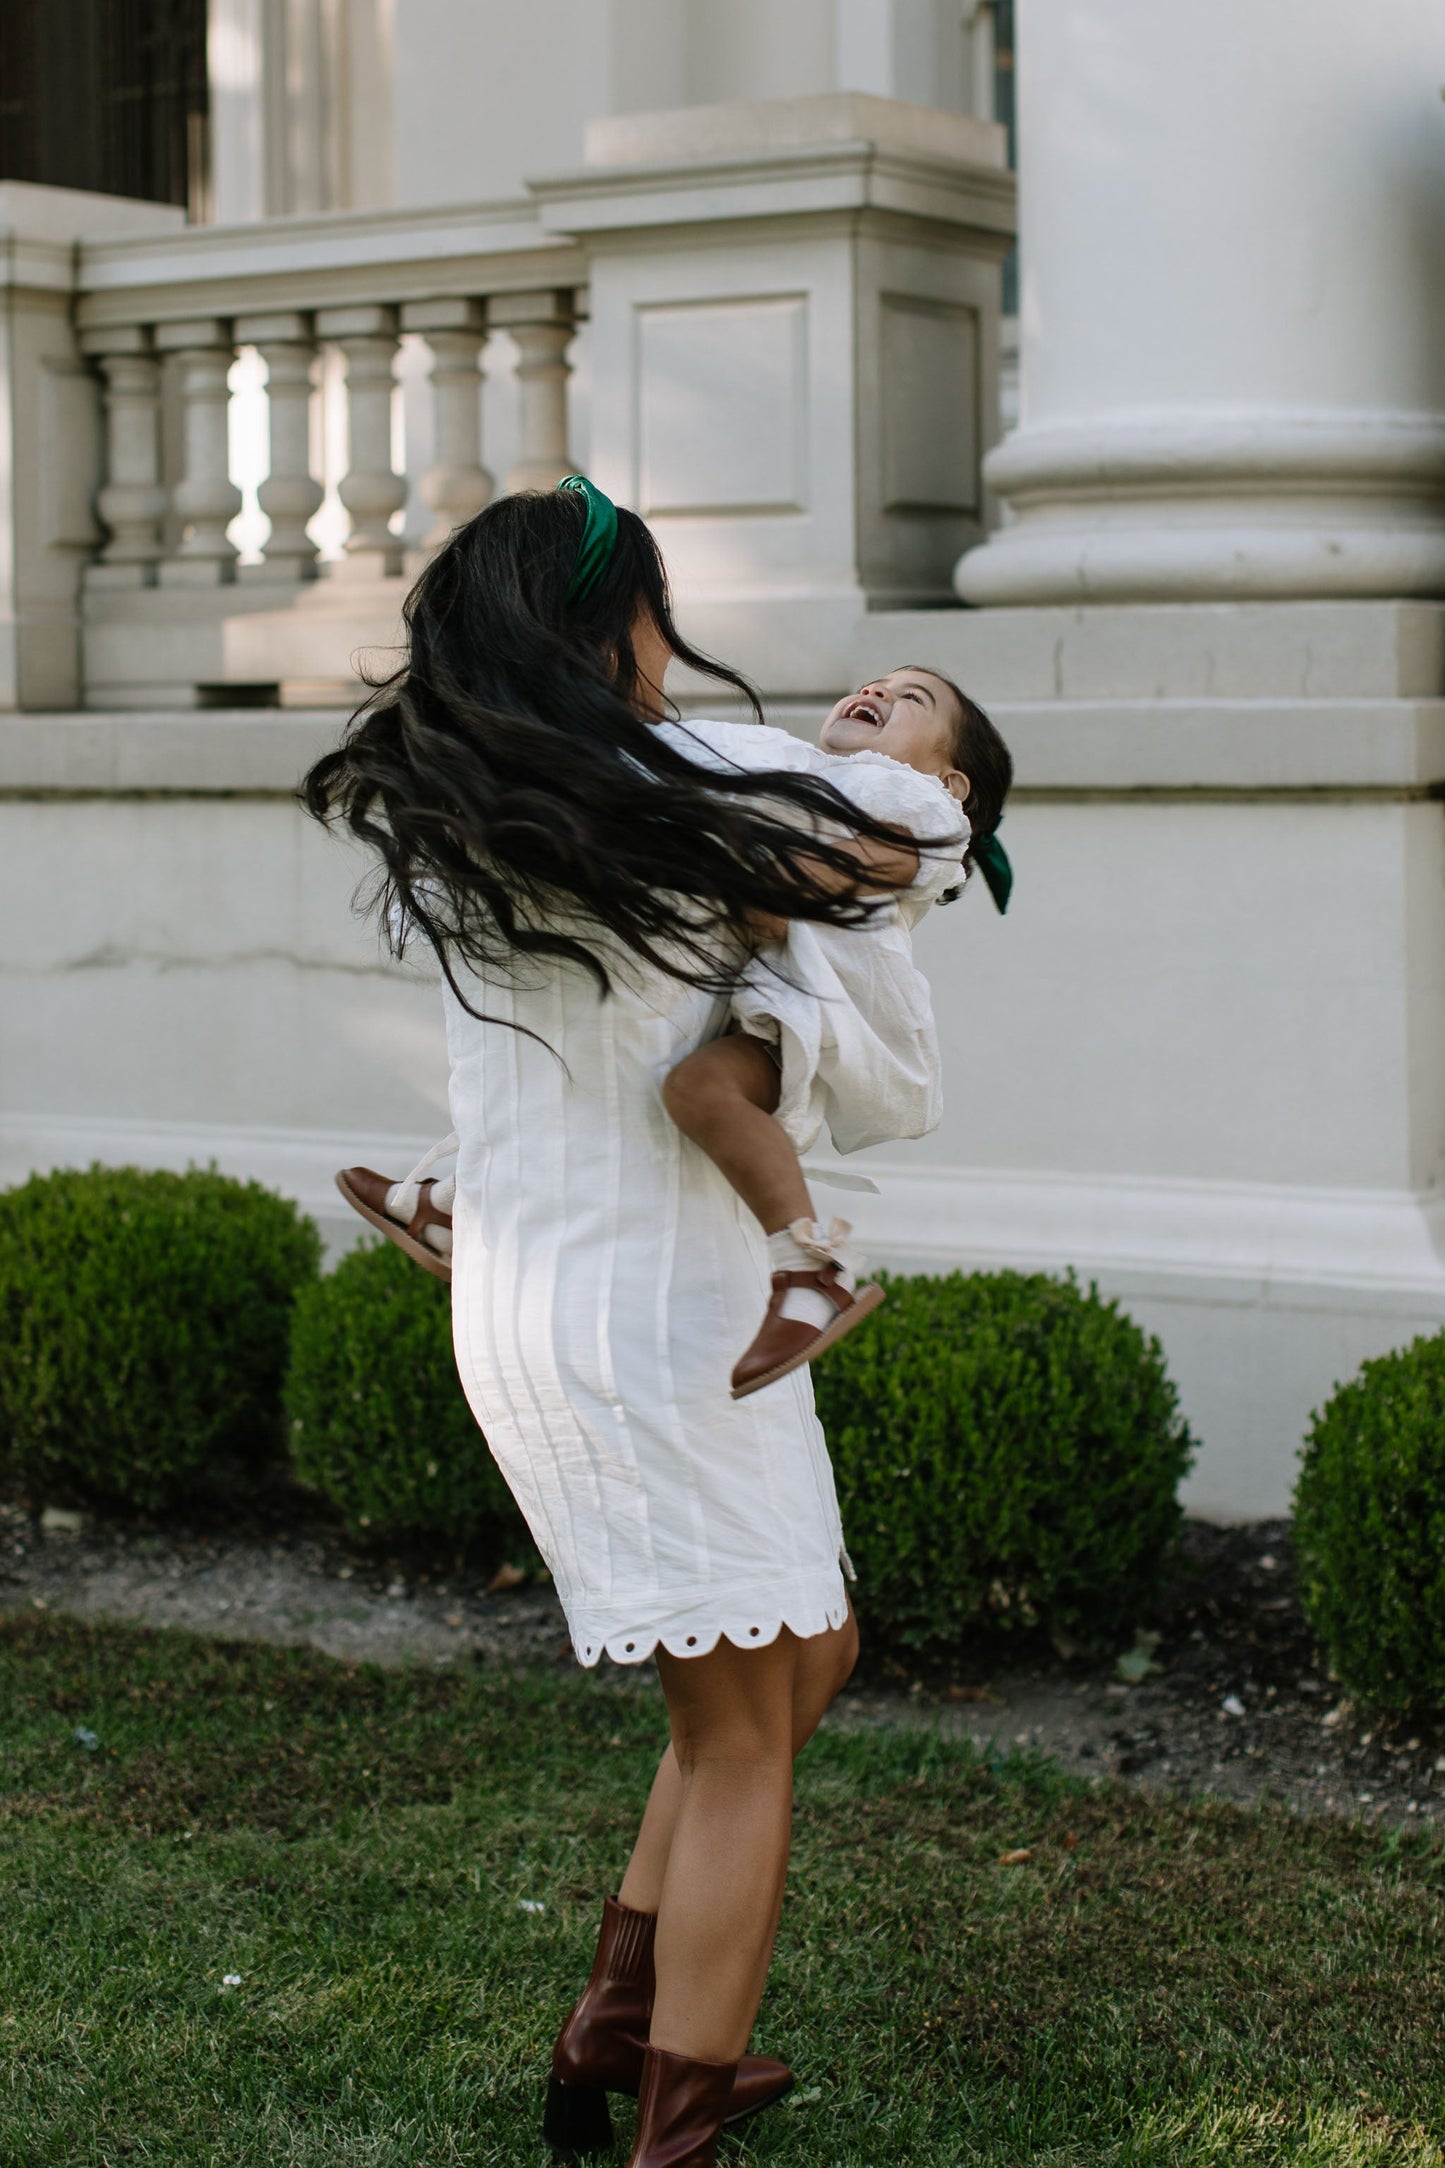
[[605, 1278]]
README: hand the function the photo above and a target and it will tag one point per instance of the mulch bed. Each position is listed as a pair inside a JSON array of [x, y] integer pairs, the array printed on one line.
[[1241, 1704]]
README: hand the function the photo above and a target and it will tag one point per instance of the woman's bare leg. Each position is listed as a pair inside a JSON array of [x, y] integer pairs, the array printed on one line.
[[642, 1884], [732, 1735], [712, 1854], [825, 1665], [723, 1097]]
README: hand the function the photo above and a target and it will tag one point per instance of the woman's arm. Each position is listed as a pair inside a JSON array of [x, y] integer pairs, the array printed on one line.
[[882, 867]]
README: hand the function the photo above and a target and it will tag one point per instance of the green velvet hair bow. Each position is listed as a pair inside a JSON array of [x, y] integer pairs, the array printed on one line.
[[599, 537], [998, 875]]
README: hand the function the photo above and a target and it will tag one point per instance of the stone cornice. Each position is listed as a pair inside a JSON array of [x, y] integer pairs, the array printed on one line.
[[807, 181]]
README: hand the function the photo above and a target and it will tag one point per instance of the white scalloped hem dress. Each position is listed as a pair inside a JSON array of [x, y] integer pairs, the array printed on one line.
[[605, 1280]]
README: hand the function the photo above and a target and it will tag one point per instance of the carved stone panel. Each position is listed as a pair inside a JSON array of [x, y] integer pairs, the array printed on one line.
[[722, 390]]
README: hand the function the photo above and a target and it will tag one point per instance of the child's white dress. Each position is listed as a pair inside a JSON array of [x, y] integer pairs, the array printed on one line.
[[846, 1008]]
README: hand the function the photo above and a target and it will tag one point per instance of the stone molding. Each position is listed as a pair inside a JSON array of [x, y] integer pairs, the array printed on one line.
[[1286, 1244], [809, 181], [1265, 1242], [1061, 748], [1208, 506], [335, 260], [750, 128], [211, 753]]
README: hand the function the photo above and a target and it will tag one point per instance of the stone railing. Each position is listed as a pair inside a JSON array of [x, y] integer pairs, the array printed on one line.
[[325, 304], [289, 288], [793, 362]]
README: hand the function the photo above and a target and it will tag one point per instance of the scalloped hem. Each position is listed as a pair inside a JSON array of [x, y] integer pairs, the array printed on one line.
[[817, 1606]]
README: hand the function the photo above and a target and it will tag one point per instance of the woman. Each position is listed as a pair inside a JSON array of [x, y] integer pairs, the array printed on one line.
[[591, 893]]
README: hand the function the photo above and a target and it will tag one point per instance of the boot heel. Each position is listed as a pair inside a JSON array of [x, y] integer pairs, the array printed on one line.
[[577, 2119]]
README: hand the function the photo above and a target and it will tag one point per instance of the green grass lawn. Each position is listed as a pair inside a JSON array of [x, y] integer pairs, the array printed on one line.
[[1157, 1983]]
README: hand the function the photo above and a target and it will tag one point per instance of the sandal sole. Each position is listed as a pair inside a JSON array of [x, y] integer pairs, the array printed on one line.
[[438, 1267], [864, 1303]]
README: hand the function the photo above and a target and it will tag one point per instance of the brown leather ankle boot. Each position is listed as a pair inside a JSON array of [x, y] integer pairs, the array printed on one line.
[[681, 2111], [600, 2049]]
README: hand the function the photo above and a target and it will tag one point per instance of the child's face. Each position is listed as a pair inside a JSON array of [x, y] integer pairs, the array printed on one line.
[[910, 715]]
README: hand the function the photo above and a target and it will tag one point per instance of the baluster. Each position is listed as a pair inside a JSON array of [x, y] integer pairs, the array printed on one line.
[[133, 502], [206, 498], [290, 495], [456, 485], [542, 325], [370, 489]]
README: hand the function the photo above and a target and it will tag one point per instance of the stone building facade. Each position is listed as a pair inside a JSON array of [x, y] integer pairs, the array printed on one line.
[[747, 263]]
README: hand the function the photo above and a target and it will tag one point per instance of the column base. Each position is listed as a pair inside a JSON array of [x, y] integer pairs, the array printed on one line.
[[1213, 508]]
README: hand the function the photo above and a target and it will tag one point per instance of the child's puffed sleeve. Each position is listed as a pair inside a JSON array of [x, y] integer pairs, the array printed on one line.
[[750, 746]]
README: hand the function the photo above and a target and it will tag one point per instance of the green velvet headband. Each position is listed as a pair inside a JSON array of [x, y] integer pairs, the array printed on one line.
[[998, 875], [599, 537]]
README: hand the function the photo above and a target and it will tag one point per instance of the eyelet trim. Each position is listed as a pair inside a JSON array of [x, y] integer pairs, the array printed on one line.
[[805, 1613]]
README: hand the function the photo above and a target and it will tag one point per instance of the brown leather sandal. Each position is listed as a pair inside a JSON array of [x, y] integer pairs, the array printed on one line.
[[784, 1344], [600, 2049], [366, 1192]]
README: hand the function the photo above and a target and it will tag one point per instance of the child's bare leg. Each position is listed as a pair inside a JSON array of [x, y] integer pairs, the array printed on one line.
[[723, 1097]]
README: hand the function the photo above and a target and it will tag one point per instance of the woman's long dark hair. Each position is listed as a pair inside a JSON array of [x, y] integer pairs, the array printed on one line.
[[520, 804]]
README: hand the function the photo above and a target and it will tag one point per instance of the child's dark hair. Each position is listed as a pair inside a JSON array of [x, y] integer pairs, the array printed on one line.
[[983, 757]]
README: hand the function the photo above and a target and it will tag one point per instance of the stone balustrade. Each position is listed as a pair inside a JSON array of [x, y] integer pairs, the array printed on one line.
[[162, 318], [792, 363]]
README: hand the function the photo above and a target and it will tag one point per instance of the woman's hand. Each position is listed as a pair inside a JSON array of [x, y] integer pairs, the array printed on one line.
[[883, 868], [891, 865], [766, 927]]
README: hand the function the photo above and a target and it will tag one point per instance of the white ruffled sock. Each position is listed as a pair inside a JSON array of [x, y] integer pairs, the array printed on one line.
[[803, 1247]]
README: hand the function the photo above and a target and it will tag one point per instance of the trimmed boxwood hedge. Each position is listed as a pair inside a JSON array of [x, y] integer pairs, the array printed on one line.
[[1369, 1530], [144, 1320], [1008, 1449], [379, 1424]]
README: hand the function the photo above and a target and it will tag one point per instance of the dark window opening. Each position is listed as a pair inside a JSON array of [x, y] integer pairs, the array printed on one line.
[[107, 95]]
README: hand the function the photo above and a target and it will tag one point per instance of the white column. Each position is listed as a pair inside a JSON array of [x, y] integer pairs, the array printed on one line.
[[371, 489], [235, 67], [542, 325], [290, 495], [1233, 328], [205, 498], [132, 502], [456, 484]]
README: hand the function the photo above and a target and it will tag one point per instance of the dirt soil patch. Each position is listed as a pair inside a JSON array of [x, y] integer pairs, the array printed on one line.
[[1239, 1705]]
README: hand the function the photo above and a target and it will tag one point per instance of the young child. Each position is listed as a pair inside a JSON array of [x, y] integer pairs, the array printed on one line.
[[830, 1024]]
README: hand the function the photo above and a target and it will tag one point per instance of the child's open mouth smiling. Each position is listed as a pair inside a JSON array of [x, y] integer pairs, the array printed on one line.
[[871, 712]]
